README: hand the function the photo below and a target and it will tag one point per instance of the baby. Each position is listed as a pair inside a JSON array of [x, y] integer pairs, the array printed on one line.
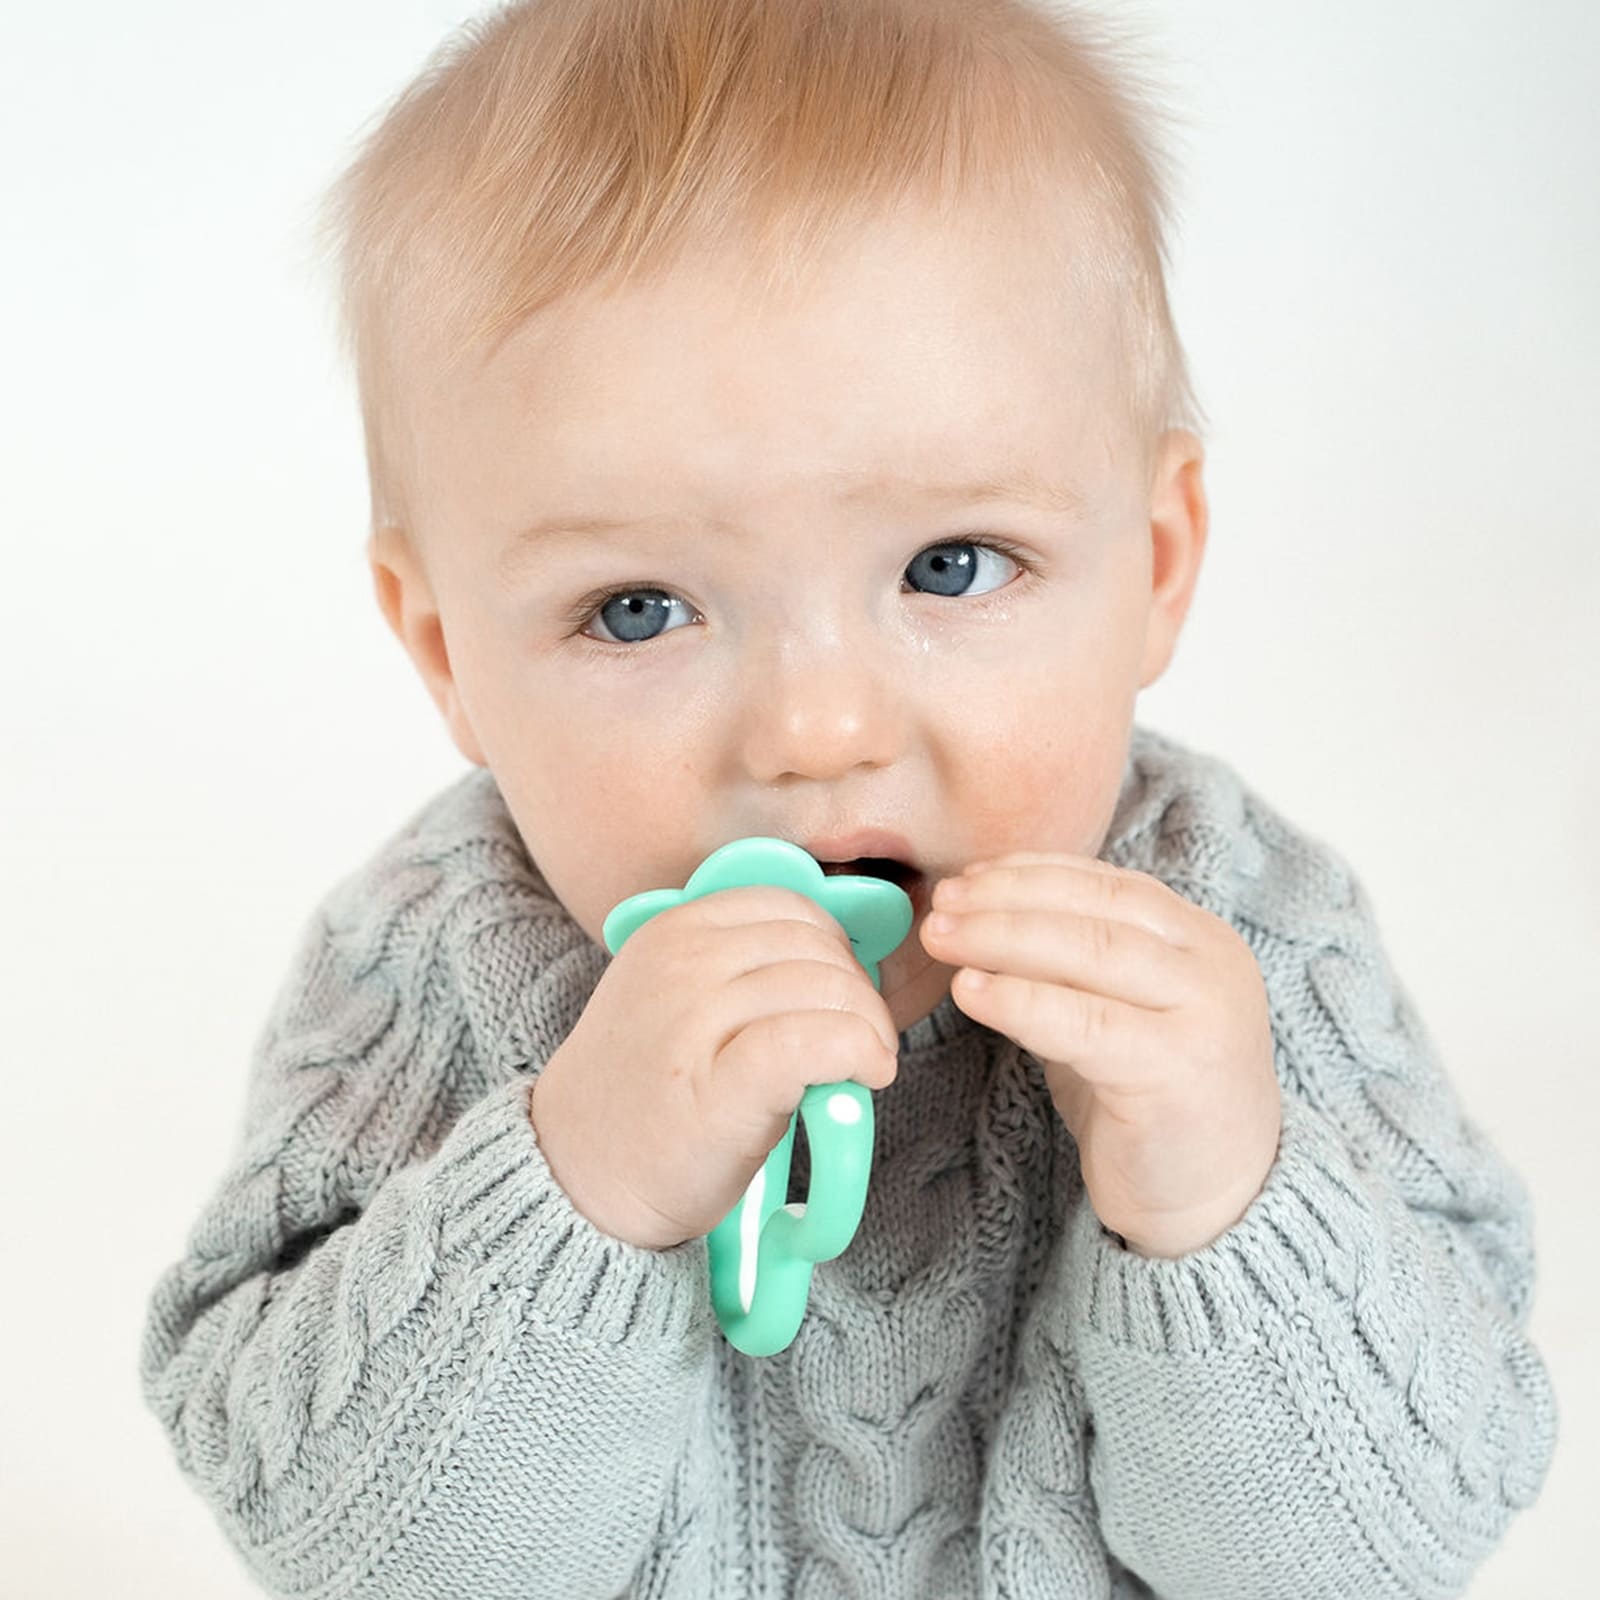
[[776, 427]]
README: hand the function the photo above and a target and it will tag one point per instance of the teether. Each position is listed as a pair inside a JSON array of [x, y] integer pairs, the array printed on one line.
[[761, 1254]]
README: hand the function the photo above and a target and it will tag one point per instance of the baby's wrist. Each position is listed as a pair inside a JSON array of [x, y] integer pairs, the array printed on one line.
[[566, 1168], [1184, 1234]]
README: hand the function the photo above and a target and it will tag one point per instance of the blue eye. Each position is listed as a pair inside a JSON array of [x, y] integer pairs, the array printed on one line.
[[951, 574], [632, 615], [638, 614]]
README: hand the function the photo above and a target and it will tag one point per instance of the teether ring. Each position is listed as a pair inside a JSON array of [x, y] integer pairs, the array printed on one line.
[[761, 1254]]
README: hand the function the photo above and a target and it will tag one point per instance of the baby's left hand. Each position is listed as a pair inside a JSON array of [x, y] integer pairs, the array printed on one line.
[[1149, 1016]]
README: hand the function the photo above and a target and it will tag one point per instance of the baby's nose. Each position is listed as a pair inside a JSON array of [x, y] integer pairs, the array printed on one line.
[[820, 720]]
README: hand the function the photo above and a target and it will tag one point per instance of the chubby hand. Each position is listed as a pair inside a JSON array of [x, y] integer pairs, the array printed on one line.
[[1149, 1016]]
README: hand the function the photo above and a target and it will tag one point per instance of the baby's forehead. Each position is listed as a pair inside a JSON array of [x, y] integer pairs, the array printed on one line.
[[929, 345], [907, 290], [854, 398]]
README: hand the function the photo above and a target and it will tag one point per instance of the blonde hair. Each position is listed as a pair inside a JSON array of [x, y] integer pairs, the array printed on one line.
[[550, 146]]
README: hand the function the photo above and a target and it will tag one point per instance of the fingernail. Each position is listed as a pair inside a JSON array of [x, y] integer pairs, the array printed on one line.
[[940, 923]]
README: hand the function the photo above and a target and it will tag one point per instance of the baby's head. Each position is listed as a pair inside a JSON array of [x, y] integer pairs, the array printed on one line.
[[775, 426]]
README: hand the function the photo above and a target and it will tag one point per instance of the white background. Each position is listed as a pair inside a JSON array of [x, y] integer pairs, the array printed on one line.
[[1386, 274]]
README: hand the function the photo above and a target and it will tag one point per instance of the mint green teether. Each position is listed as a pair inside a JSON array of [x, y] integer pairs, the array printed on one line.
[[761, 1253]]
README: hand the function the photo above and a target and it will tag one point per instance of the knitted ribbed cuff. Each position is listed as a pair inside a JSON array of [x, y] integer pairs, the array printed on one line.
[[500, 1203], [1302, 1235]]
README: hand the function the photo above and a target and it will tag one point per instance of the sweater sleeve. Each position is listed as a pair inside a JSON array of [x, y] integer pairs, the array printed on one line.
[[399, 1365], [1338, 1398]]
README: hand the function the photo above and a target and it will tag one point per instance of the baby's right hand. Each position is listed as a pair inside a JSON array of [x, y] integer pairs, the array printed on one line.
[[692, 1054]]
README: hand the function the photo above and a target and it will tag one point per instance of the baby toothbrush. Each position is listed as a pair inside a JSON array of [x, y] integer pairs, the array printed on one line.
[[761, 1254]]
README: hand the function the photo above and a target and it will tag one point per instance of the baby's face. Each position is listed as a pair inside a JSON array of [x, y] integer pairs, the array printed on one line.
[[804, 619]]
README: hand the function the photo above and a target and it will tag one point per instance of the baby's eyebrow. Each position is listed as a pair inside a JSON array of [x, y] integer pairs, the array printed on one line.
[[1022, 487]]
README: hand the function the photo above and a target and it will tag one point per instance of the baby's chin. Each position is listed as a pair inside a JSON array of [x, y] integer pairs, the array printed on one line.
[[911, 982]]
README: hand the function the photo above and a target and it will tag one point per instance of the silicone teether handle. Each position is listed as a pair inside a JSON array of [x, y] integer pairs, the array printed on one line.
[[762, 1253]]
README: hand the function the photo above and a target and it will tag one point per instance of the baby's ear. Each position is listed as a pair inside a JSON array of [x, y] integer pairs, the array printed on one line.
[[405, 597], [1179, 519], [392, 565]]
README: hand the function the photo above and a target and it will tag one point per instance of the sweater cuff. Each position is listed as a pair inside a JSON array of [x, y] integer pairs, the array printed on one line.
[[500, 1204], [1301, 1237]]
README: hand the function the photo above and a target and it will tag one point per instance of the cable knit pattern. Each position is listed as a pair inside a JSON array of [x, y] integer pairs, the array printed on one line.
[[397, 1363]]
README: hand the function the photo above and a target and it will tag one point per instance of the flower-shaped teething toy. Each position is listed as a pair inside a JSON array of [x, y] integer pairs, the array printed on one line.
[[761, 1254]]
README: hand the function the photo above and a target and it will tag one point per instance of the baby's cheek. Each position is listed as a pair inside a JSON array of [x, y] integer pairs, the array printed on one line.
[[1027, 802]]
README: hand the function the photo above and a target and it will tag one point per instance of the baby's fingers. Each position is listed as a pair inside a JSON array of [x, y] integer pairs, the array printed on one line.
[[1116, 960], [776, 1052], [1083, 885], [1106, 1042]]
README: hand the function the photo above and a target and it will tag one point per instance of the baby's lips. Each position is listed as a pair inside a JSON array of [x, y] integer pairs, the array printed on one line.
[[861, 844]]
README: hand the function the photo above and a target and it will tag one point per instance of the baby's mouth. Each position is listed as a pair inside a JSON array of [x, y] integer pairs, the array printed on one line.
[[901, 874]]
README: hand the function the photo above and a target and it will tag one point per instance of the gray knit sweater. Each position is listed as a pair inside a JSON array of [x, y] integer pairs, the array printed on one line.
[[396, 1362]]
